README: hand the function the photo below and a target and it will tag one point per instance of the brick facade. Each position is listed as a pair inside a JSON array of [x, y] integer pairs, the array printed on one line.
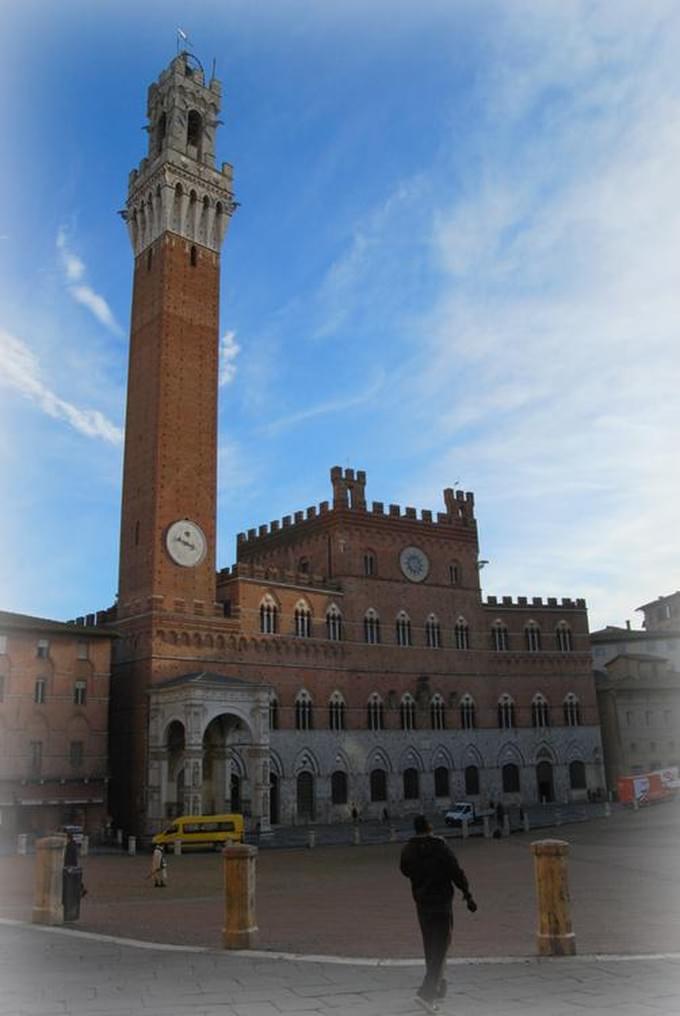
[[54, 698]]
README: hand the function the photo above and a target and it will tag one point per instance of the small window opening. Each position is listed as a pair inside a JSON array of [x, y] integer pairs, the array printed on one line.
[[194, 128], [193, 257]]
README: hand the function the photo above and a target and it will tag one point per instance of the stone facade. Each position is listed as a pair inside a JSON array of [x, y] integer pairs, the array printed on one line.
[[54, 698]]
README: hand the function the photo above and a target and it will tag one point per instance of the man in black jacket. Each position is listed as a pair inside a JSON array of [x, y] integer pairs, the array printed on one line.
[[433, 871]]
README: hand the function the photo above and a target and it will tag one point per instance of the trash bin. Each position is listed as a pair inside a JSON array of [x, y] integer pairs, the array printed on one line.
[[71, 892]]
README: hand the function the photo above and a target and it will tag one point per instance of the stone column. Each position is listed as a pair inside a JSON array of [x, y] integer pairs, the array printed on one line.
[[258, 756], [193, 782], [239, 896], [48, 907], [554, 936]]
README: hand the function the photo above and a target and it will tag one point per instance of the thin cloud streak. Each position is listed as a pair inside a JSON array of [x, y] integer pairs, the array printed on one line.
[[19, 371], [74, 270], [324, 408]]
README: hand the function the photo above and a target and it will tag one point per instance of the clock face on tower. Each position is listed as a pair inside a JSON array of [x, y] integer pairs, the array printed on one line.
[[414, 563], [186, 543]]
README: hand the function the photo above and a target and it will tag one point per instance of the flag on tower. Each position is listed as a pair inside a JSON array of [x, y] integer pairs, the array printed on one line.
[[181, 34]]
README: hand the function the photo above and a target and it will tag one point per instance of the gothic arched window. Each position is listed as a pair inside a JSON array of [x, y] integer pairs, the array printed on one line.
[[572, 711], [433, 633], [403, 629], [303, 620], [375, 713], [334, 623], [506, 712], [499, 633], [533, 636], [303, 711], [194, 128], [268, 616], [437, 713], [468, 719], [371, 627], [336, 712], [407, 711], [540, 712], [462, 634], [563, 637]]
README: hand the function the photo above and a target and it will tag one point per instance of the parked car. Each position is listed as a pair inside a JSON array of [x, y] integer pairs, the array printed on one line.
[[466, 811]]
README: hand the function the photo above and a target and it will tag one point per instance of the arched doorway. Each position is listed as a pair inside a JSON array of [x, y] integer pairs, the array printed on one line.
[[273, 798], [305, 797], [175, 802], [225, 779], [544, 782]]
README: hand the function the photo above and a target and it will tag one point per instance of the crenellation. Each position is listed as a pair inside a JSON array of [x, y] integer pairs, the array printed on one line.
[[567, 601], [323, 508], [252, 533], [274, 526], [311, 512], [258, 571], [241, 538], [298, 516], [263, 530], [378, 508], [442, 518], [395, 510], [410, 513], [507, 601], [521, 601], [491, 601], [426, 515], [286, 521], [460, 496], [552, 602], [537, 601]]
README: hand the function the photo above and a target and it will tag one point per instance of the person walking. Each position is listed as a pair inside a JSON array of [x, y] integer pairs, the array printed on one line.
[[433, 870], [159, 867]]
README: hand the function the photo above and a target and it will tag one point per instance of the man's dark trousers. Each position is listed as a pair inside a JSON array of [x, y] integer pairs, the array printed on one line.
[[436, 925]]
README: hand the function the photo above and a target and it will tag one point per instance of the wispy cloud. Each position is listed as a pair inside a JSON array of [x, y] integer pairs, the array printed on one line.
[[74, 271], [551, 369], [20, 371], [229, 350], [324, 408]]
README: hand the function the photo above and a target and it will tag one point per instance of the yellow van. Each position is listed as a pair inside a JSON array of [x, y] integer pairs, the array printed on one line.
[[202, 831]]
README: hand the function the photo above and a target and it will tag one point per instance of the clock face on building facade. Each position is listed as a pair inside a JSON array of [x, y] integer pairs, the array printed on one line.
[[186, 543], [414, 563]]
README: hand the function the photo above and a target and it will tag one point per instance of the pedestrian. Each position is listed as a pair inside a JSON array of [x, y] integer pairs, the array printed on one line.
[[159, 867], [355, 814], [72, 859], [432, 867]]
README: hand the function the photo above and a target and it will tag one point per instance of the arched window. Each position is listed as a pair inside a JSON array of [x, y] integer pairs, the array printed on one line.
[[303, 620], [540, 712], [433, 632], [370, 564], [378, 781], [303, 711], [455, 573], [194, 128], [371, 627], [572, 711], [499, 634], [375, 713], [334, 623], [407, 711], [510, 778], [403, 629], [411, 785], [336, 712], [468, 720], [462, 634], [532, 634], [437, 713], [471, 781], [273, 713], [563, 637], [441, 782], [268, 616], [506, 712], [339, 787], [577, 776]]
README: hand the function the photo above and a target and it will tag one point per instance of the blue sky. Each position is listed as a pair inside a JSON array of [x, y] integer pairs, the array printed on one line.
[[455, 263]]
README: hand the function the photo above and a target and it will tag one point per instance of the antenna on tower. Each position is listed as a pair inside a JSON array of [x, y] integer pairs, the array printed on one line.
[[214, 68]]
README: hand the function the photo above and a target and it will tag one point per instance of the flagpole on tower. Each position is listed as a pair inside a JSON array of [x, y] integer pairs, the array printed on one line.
[[181, 34]]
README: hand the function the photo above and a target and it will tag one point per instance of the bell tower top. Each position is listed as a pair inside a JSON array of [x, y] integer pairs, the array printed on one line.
[[176, 187], [182, 111]]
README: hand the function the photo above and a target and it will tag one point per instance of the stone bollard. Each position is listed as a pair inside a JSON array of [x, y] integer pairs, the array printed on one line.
[[393, 834], [487, 827], [239, 896], [506, 824], [48, 907], [525, 822], [85, 846], [312, 839], [22, 843], [465, 828], [554, 936], [132, 845], [177, 848], [356, 836]]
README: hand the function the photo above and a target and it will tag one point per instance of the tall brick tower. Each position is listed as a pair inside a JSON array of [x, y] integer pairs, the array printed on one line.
[[178, 209], [177, 212]]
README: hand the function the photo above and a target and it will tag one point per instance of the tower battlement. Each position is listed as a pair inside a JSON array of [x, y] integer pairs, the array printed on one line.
[[349, 495]]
